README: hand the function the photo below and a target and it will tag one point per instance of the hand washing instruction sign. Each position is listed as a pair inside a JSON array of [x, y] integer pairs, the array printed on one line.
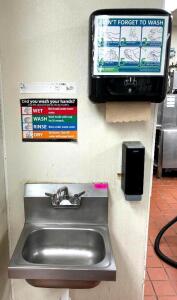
[[49, 120], [130, 45]]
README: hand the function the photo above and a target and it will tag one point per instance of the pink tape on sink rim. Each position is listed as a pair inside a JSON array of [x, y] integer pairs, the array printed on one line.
[[101, 185]]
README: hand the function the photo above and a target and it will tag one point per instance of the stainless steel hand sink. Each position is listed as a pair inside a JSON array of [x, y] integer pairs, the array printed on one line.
[[72, 247], [64, 248]]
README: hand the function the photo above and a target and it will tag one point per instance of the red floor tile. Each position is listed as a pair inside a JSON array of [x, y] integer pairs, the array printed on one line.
[[161, 279], [174, 283], [175, 227], [163, 288], [173, 250], [148, 289], [170, 231], [157, 274], [149, 242], [167, 298], [173, 205], [166, 250], [150, 251], [171, 200], [171, 240], [153, 262], [147, 276], [172, 273]]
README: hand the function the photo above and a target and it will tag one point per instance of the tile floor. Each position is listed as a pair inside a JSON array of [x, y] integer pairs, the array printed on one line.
[[161, 279]]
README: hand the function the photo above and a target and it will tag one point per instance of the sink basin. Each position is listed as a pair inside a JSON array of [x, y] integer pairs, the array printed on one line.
[[67, 247], [64, 248]]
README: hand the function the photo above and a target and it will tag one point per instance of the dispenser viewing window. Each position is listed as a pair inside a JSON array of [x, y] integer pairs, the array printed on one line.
[[129, 54]]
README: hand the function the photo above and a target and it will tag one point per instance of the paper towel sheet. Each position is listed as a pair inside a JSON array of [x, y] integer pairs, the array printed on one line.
[[127, 111]]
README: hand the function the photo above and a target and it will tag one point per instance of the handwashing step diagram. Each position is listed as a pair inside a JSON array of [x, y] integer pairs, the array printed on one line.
[[129, 45], [49, 120]]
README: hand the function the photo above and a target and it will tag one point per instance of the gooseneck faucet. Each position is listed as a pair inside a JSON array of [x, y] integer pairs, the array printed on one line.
[[62, 199]]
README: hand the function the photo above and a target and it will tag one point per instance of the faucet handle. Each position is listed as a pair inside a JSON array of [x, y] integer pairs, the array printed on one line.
[[49, 194], [76, 199], [53, 198], [80, 194]]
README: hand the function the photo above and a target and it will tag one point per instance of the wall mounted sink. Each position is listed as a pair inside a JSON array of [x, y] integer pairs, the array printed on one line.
[[67, 247], [64, 248]]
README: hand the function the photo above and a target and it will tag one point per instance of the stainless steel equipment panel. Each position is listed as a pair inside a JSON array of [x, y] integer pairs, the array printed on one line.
[[169, 115], [175, 80], [169, 158]]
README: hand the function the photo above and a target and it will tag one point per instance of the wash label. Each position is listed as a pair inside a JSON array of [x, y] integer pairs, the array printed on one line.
[[49, 120]]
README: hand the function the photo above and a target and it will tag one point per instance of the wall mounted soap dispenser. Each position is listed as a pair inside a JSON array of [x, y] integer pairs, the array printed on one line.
[[133, 154], [129, 54]]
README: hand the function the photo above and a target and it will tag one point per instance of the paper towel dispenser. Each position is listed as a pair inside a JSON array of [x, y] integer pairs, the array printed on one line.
[[129, 54]]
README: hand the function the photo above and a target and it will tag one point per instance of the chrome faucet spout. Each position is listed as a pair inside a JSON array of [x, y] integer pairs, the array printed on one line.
[[63, 192], [62, 198]]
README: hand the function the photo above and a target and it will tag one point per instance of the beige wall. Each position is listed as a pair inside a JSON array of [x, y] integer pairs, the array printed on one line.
[[4, 257], [45, 40]]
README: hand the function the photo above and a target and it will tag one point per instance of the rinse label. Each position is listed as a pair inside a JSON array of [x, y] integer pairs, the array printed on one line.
[[49, 120]]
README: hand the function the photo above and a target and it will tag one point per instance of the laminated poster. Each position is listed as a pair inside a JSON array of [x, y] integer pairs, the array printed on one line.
[[133, 45], [49, 120]]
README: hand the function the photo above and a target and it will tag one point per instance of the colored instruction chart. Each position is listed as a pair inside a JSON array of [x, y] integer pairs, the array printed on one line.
[[49, 120], [130, 45]]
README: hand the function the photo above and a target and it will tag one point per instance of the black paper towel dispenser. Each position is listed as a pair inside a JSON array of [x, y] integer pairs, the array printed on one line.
[[129, 54]]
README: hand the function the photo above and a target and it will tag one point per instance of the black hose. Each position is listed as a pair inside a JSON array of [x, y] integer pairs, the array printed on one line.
[[159, 253]]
